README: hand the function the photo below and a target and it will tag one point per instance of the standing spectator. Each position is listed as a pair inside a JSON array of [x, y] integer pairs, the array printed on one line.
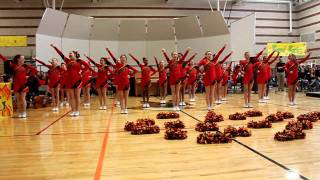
[[280, 74]]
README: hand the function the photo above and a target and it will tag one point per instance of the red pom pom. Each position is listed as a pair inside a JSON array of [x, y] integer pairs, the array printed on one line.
[[274, 117], [174, 124], [286, 114], [213, 138], [167, 115], [206, 126], [253, 113], [259, 124], [237, 116], [288, 135], [175, 133], [213, 117], [142, 126]]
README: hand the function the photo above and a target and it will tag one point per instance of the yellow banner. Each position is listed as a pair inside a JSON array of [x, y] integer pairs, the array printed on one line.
[[11, 41], [6, 108], [298, 49]]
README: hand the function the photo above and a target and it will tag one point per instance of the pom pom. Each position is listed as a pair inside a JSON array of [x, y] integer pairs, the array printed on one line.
[[213, 117], [253, 113], [174, 124], [206, 126], [232, 131], [244, 132], [143, 129], [237, 116], [213, 138], [168, 115], [175, 133], [274, 117], [286, 114], [288, 135], [303, 124], [259, 124]]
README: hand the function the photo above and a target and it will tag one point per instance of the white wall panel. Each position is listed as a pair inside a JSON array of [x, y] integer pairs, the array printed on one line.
[[44, 51], [243, 36]]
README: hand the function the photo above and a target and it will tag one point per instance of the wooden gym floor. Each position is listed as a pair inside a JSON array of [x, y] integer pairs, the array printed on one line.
[[94, 146]]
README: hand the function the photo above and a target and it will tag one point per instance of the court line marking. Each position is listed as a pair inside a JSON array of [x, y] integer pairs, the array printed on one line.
[[98, 171], [41, 131], [257, 152]]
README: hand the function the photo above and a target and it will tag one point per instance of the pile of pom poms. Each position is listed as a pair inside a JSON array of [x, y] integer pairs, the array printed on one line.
[[142, 126], [174, 130]]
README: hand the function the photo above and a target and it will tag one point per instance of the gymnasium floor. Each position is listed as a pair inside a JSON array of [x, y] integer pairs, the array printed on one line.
[[94, 146]]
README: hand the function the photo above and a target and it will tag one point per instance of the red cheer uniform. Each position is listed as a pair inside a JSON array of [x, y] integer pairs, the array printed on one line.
[[192, 71], [247, 67], [123, 73], [291, 69], [175, 68], [20, 75], [102, 76], [53, 74], [73, 77]]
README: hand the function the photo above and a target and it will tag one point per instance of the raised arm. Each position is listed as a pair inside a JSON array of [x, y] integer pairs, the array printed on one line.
[[165, 54], [225, 58], [304, 59], [155, 58], [85, 64], [274, 59], [259, 54], [215, 59], [109, 63], [184, 55], [4, 59], [192, 57], [64, 58], [112, 56], [92, 61], [41, 62], [135, 59]]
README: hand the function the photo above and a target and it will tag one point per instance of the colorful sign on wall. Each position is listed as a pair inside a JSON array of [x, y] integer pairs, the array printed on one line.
[[298, 49], [11, 41], [6, 108]]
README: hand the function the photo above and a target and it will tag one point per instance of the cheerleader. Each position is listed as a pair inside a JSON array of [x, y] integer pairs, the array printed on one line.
[[54, 81], [269, 74], [219, 74], [101, 81], [73, 79], [20, 74], [261, 67], [122, 72], [63, 92], [184, 79], [247, 71], [192, 72], [115, 79], [224, 82], [209, 78], [235, 74], [146, 73], [175, 66], [86, 82], [163, 82], [291, 69]]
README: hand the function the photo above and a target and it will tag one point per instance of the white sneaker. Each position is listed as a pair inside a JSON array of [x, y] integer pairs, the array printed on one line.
[[266, 98], [177, 108], [223, 99], [294, 103], [209, 108], [101, 108], [219, 102], [161, 102], [72, 113], [183, 103], [265, 101], [104, 107], [67, 104], [19, 115], [77, 113], [147, 105], [250, 105], [164, 102], [117, 102], [180, 103], [122, 111], [23, 115], [61, 104], [192, 100], [261, 101], [126, 111], [174, 108], [246, 105]]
